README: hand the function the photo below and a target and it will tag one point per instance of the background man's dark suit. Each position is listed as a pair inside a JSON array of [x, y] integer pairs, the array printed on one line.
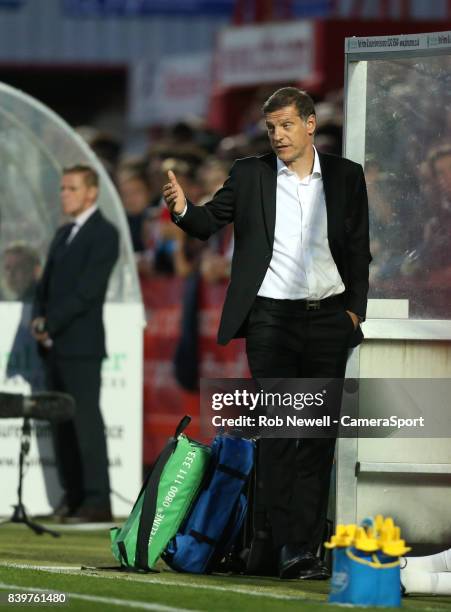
[[295, 473], [70, 297]]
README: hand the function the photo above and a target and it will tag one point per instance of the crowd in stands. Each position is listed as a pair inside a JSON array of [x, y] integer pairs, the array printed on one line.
[[201, 160], [407, 172], [408, 175]]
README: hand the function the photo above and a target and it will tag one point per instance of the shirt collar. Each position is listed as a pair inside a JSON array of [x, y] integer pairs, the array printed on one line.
[[316, 165], [316, 172], [84, 216]]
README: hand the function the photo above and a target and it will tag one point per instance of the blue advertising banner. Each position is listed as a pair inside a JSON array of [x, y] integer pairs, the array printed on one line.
[[11, 4], [214, 8], [123, 8]]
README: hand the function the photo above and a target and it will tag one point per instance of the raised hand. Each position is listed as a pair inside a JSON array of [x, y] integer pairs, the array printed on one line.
[[173, 195]]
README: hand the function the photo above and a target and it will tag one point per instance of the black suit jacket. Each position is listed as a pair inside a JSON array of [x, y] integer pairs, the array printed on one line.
[[248, 199], [72, 289]]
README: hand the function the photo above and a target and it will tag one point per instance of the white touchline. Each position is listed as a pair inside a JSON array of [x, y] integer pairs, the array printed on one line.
[[149, 579], [141, 605], [56, 569]]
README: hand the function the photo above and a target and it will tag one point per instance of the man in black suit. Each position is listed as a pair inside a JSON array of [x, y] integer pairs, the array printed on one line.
[[68, 325], [298, 292]]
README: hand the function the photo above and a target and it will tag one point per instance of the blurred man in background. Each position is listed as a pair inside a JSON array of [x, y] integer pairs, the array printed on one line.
[[68, 325], [428, 264], [134, 188], [21, 271], [298, 291], [437, 230], [216, 259]]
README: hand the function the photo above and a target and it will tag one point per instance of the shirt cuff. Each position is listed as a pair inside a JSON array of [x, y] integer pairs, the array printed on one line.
[[182, 214]]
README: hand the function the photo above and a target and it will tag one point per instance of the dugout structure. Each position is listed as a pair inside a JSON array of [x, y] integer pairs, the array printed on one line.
[[35, 144], [397, 101]]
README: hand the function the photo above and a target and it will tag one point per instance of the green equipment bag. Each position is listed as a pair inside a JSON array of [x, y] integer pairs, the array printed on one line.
[[163, 502]]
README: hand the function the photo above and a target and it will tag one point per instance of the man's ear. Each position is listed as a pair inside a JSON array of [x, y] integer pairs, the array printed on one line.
[[311, 124], [93, 192]]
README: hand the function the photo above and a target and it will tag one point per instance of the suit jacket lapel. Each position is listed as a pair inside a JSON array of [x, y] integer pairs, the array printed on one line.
[[60, 245], [331, 194], [82, 230], [268, 179]]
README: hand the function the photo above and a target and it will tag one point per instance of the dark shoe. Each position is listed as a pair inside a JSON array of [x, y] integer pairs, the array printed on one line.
[[293, 560], [262, 559], [62, 510], [319, 571], [88, 515]]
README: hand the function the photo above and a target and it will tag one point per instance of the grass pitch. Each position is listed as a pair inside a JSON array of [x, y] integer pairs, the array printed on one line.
[[42, 564]]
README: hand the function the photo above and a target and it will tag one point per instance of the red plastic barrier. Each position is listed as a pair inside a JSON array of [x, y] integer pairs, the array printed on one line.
[[165, 402]]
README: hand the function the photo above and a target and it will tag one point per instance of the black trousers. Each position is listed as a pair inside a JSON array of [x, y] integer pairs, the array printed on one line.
[[285, 340], [80, 444]]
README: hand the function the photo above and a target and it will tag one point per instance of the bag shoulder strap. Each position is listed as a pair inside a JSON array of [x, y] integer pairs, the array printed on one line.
[[150, 488]]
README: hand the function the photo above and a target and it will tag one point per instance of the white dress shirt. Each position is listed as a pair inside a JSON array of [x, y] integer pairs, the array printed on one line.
[[302, 266], [79, 221]]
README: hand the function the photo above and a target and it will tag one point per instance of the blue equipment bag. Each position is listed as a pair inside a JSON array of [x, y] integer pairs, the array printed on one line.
[[218, 513]]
